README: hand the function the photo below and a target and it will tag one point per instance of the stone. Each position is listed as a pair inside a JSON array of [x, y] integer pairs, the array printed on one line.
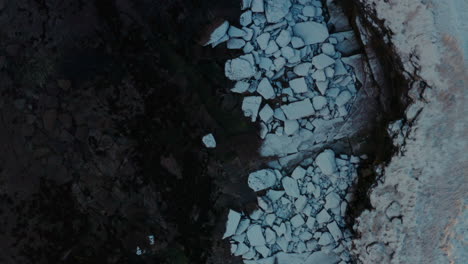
[[298, 109], [283, 38], [250, 106], [275, 10], [319, 102], [298, 85], [266, 113], [238, 69], [326, 162], [322, 61], [290, 127], [302, 69], [311, 32], [290, 187], [255, 236], [261, 180], [232, 223], [218, 33], [235, 43], [209, 141], [265, 89], [263, 40]]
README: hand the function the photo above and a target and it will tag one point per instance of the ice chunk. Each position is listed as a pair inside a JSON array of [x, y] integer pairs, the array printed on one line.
[[290, 127], [238, 69], [246, 18], [311, 32], [297, 42], [235, 43], [232, 223], [308, 11], [323, 217], [284, 37], [243, 225], [329, 72], [294, 258], [271, 48], [343, 98], [275, 10], [250, 106], [300, 203], [241, 249], [319, 102], [326, 162], [298, 173], [235, 32], [322, 257], [325, 239], [270, 236], [274, 195], [340, 68], [297, 221], [290, 187], [310, 222], [265, 63], [218, 33], [282, 243], [263, 40], [240, 87], [335, 231], [258, 6], [255, 236], [332, 200], [262, 179], [287, 52], [322, 61], [265, 89], [298, 85], [298, 109], [328, 49], [304, 236], [248, 48], [266, 113], [209, 141], [322, 86], [246, 4], [263, 250], [302, 69]]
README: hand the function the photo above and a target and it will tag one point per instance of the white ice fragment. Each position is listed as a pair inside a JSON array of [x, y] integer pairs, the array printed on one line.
[[343, 98], [270, 219], [250, 254], [325, 239], [319, 102], [246, 4], [332, 200], [290, 127], [340, 68], [279, 63], [319, 76], [322, 257], [322, 61], [298, 173], [241, 249], [270, 236], [255, 235], [282, 243], [232, 223], [298, 85], [323, 217], [265, 89], [256, 214], [151, 239], [308, 11], [248, 48], [257, 6], [235, 43], [246, 18], [302, 69], [335, 231], [218, 33], [328, 49], [138, 251], [240, 87], [250, 106], [275, 10], [280, 230], [311, 32], [209, 141], [310, 222], [300, 203], [297, 42], [266, 113], [322, 86], [243, 225], [235, 32], [298, 109], [238, 69], [263, 40], [263, 130], [271, 48], [262, 179], [263, 250], [326, 162], [265, 63], [274, 195], [283, 38], [233, 248], [248, 34], [290, 187], [287, 52], [329, 72], [304, 236]]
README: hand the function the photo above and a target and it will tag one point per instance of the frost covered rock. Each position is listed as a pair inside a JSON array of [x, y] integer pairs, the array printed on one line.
[[209, 141], [311, 32], [326, 162], [261, 180]]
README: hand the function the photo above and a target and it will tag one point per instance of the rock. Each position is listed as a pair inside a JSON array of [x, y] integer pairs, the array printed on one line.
[[275, 10], [265, 89], [311, 32], [250, 106], [326, 162], [283, 38], [209, 141], [235, 43], [255, 236], [298, 85], [290, 127], [218, 33], [246, 18], [298, 109], [232, 223], [261, 180], [322, 61], [290, 187], [258, 6], [238, 69], [343, 98], [319, 102], [263, 40]]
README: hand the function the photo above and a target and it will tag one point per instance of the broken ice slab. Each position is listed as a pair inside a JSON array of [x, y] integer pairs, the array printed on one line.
[[265, 89], [269, 260], [232, 223], [275, 10], [335, 231], [235, 32], [343, 98], [328, 49], [311, 32], [274, 195], [246, 18], [235, 43], [347, 43], [326, 162], [297, 221], [238, 69], [262, 179], [240, 87], [308, 11], [218, 33], [297, 42], [322, 86], [322, 61], [250, 106], [266, 113], [302, 69], [319, 102], [290, 127], [298, 85], [298, 109], [290, 187], [325, 239], [283, 38], [332, 200], [255, 236], [257, 6], [298, 173], [243, 225], [323, 217], [263, 40], [209, 141]]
